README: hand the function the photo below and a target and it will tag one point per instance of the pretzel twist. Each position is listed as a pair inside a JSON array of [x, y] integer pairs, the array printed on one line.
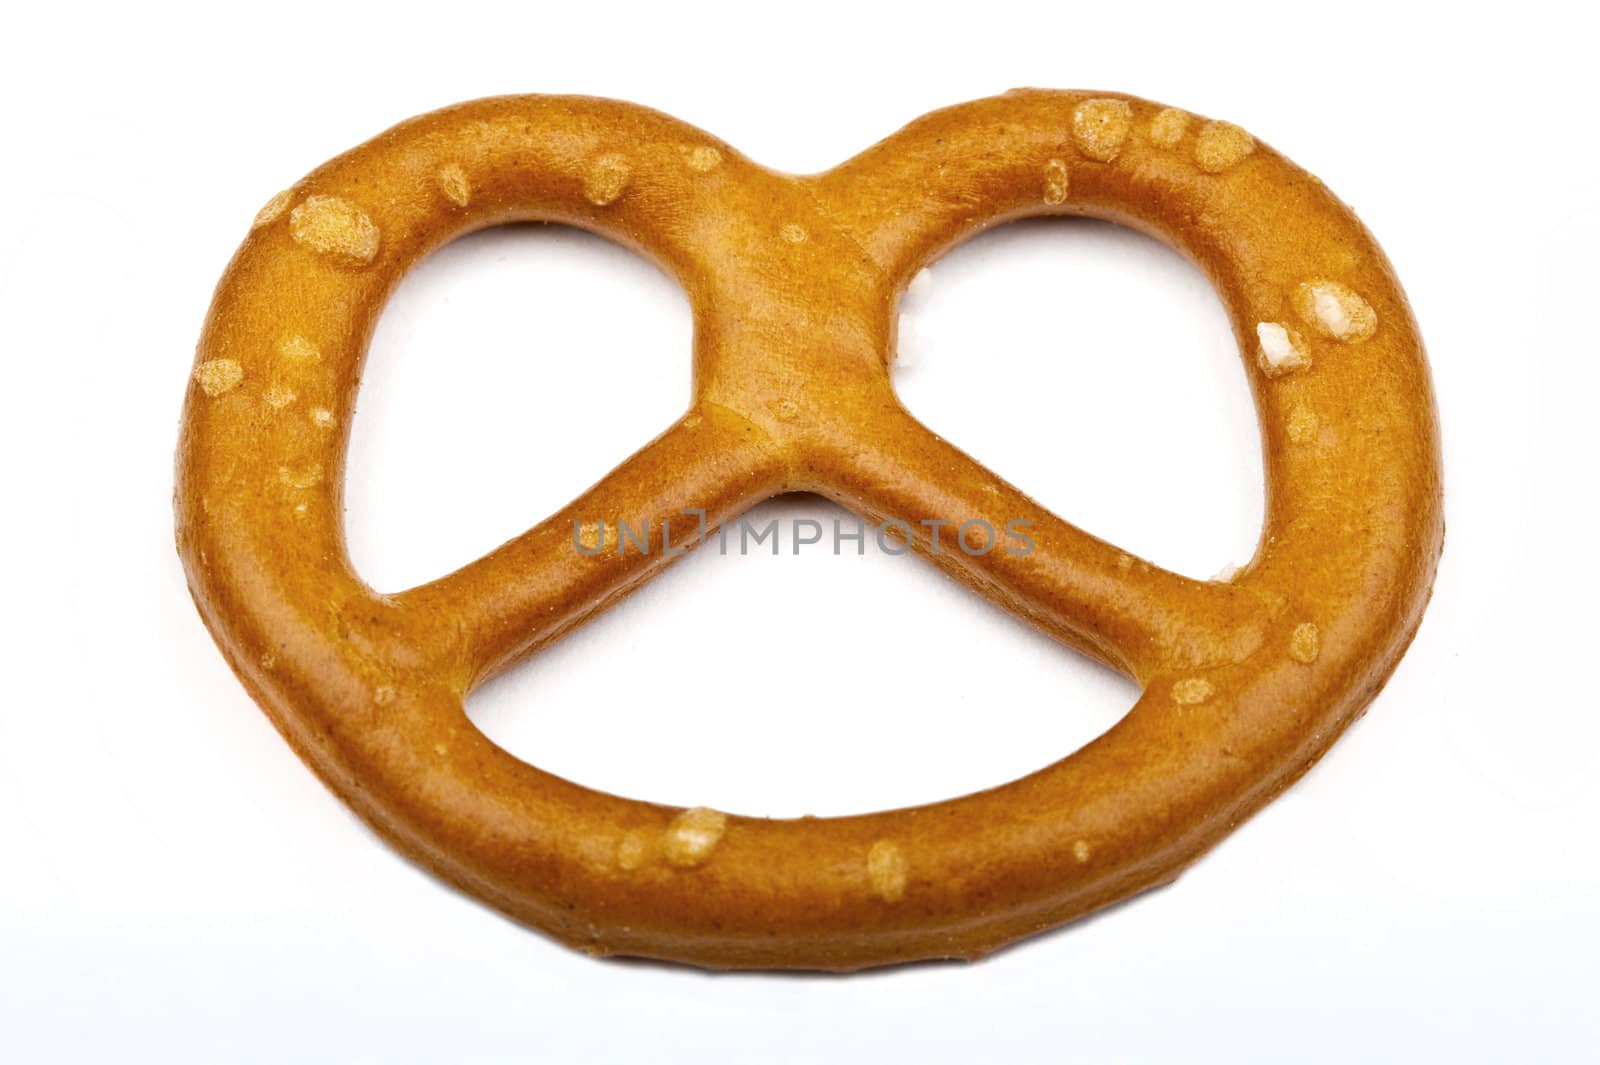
[[793, 283]]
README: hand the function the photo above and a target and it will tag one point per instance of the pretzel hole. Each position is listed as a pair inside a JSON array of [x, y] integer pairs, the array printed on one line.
[[1094, 368], [800, 683], [509, 371]]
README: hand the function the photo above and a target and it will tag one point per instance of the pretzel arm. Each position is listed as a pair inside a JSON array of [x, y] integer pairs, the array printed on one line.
[[705, 469], [1127, 613]]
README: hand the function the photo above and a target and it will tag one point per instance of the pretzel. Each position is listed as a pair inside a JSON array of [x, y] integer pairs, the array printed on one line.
[[1245, 681]]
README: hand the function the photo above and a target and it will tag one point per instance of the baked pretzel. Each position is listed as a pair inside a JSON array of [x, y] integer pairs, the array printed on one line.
[[794, 282]]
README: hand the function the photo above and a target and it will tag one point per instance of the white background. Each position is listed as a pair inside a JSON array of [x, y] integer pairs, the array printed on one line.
[[175, 887]]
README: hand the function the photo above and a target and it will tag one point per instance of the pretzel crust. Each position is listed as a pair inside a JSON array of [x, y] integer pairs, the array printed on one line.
[[793, 283]]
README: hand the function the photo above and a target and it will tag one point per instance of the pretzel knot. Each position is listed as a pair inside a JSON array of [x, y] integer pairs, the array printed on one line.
[[793, 283]]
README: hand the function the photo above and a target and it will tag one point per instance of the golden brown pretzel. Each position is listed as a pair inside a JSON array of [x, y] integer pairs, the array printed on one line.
[[794, 282]]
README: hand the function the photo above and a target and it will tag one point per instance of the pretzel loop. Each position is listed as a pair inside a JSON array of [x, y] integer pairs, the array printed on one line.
[[794, 283]]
